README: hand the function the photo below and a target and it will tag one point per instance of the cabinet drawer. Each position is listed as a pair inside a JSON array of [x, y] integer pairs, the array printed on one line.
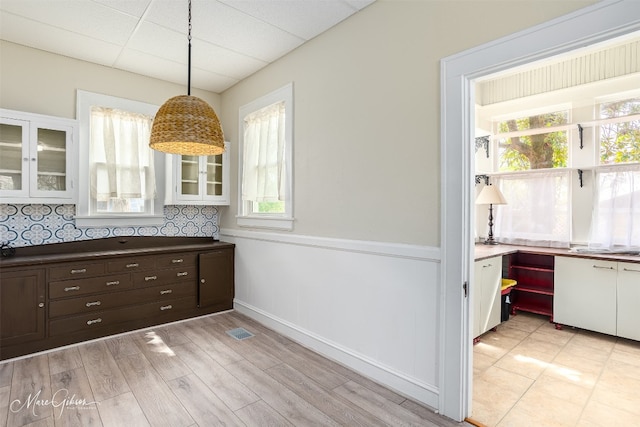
[[70, 288], [101, 302], [101, 319], [177, 260], [161, 277], [131, 264], [75, 271]]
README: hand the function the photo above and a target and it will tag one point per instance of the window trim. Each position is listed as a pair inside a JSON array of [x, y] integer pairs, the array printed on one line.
[[280, 221], [84, 217]]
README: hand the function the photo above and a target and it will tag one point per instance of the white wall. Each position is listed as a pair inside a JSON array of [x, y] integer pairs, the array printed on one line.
[[366, 119], [367, 305], [40, 82]]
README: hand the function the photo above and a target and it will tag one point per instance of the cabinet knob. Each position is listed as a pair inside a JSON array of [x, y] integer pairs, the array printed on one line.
[[41, 305], [202, 280]]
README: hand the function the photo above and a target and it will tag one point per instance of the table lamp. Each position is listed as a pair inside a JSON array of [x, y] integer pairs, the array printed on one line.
[[490, 195]]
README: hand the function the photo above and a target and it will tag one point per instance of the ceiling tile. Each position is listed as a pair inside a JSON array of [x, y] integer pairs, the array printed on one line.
[[132, 7], [45, 37], [231, 39], [79, 16], [302, 18], [163, 69]]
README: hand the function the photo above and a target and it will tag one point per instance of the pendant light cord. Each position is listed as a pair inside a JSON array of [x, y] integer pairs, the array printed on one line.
[[189, 61]]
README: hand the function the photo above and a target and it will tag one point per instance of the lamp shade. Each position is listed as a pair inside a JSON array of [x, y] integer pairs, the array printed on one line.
[[490, 195], [187, 125]]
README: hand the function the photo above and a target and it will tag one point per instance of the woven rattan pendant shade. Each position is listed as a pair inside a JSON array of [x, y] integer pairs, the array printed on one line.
[[187, 125]]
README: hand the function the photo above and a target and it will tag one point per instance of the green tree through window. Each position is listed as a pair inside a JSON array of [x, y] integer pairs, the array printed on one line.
[[535, 150], [620, 142]]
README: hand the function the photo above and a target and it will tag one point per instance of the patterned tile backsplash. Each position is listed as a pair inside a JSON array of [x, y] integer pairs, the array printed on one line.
[[28, 225]]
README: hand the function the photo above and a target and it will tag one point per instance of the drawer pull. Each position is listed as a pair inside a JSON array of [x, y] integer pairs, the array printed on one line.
[[147, 278], [166, 291], [184, 273], [631, 269], [115, 282], [135, 264], [177, 261], [79, 271], [166, 307], [89, 304], [72, 288], [91, 322], [604, 268]]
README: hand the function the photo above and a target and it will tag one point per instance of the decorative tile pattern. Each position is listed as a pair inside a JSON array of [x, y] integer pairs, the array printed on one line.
[[28, 225]]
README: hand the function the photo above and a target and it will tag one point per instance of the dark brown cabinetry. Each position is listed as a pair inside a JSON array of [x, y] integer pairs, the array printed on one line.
[[22, 306], [68, 293], [534, 290], [216, 270]]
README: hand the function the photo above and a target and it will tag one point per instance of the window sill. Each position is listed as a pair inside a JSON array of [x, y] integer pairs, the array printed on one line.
[[274, 223], [102, 221]]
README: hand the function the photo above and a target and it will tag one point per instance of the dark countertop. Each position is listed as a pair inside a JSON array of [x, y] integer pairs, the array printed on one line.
[[107, 248], [483, 251]]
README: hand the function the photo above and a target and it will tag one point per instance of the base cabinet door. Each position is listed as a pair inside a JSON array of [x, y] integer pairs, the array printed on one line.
[[628, 299], [216, 284], [22, 307], [585, 294], [486, 300]]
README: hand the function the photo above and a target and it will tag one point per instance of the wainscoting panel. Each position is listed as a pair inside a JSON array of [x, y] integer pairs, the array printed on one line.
[[371, 306]]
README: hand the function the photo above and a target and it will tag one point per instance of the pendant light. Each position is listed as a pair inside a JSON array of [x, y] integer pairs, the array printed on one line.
[[186, 124]]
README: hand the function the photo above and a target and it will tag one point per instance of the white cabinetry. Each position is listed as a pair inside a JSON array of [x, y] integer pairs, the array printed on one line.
[[628, 299], [198, 180], [597, 295], [486, 295], [35, 158], [585, 294]]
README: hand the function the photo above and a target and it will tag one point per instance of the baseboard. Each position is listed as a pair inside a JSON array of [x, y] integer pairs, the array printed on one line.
[[426, 394]]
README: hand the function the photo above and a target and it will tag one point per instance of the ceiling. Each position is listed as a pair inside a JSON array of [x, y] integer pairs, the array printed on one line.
[[231, 39]]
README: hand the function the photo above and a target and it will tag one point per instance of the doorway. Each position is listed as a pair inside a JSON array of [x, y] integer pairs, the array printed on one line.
[[595, 24]]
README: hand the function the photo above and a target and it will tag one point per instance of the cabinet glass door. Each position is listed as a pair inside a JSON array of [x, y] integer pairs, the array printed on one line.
[[14, 151], [214, 175], [51, 152], [189, 176], [50, 148]]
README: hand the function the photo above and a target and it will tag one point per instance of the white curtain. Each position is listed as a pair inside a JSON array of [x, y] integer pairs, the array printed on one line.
[[537, 212], [263, 170], [615, 222], [121, 161]]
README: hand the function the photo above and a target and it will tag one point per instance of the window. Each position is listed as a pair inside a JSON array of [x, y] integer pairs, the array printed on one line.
[[620, 131], [526, 143], [120, 162], [615, 223], [538, 209], [118, 170], [265, 181]]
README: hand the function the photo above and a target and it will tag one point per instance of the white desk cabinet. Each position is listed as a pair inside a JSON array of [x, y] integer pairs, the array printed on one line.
[[585, 294], [628, 299], [486, 295], [600, 296]]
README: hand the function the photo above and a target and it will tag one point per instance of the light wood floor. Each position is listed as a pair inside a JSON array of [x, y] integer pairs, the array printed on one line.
[[193, 374]]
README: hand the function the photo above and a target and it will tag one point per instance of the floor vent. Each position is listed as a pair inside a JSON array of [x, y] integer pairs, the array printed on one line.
[[240, 333]]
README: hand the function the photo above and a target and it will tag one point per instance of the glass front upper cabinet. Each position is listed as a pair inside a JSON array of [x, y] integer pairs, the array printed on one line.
[[35, 158], [200, 180]]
